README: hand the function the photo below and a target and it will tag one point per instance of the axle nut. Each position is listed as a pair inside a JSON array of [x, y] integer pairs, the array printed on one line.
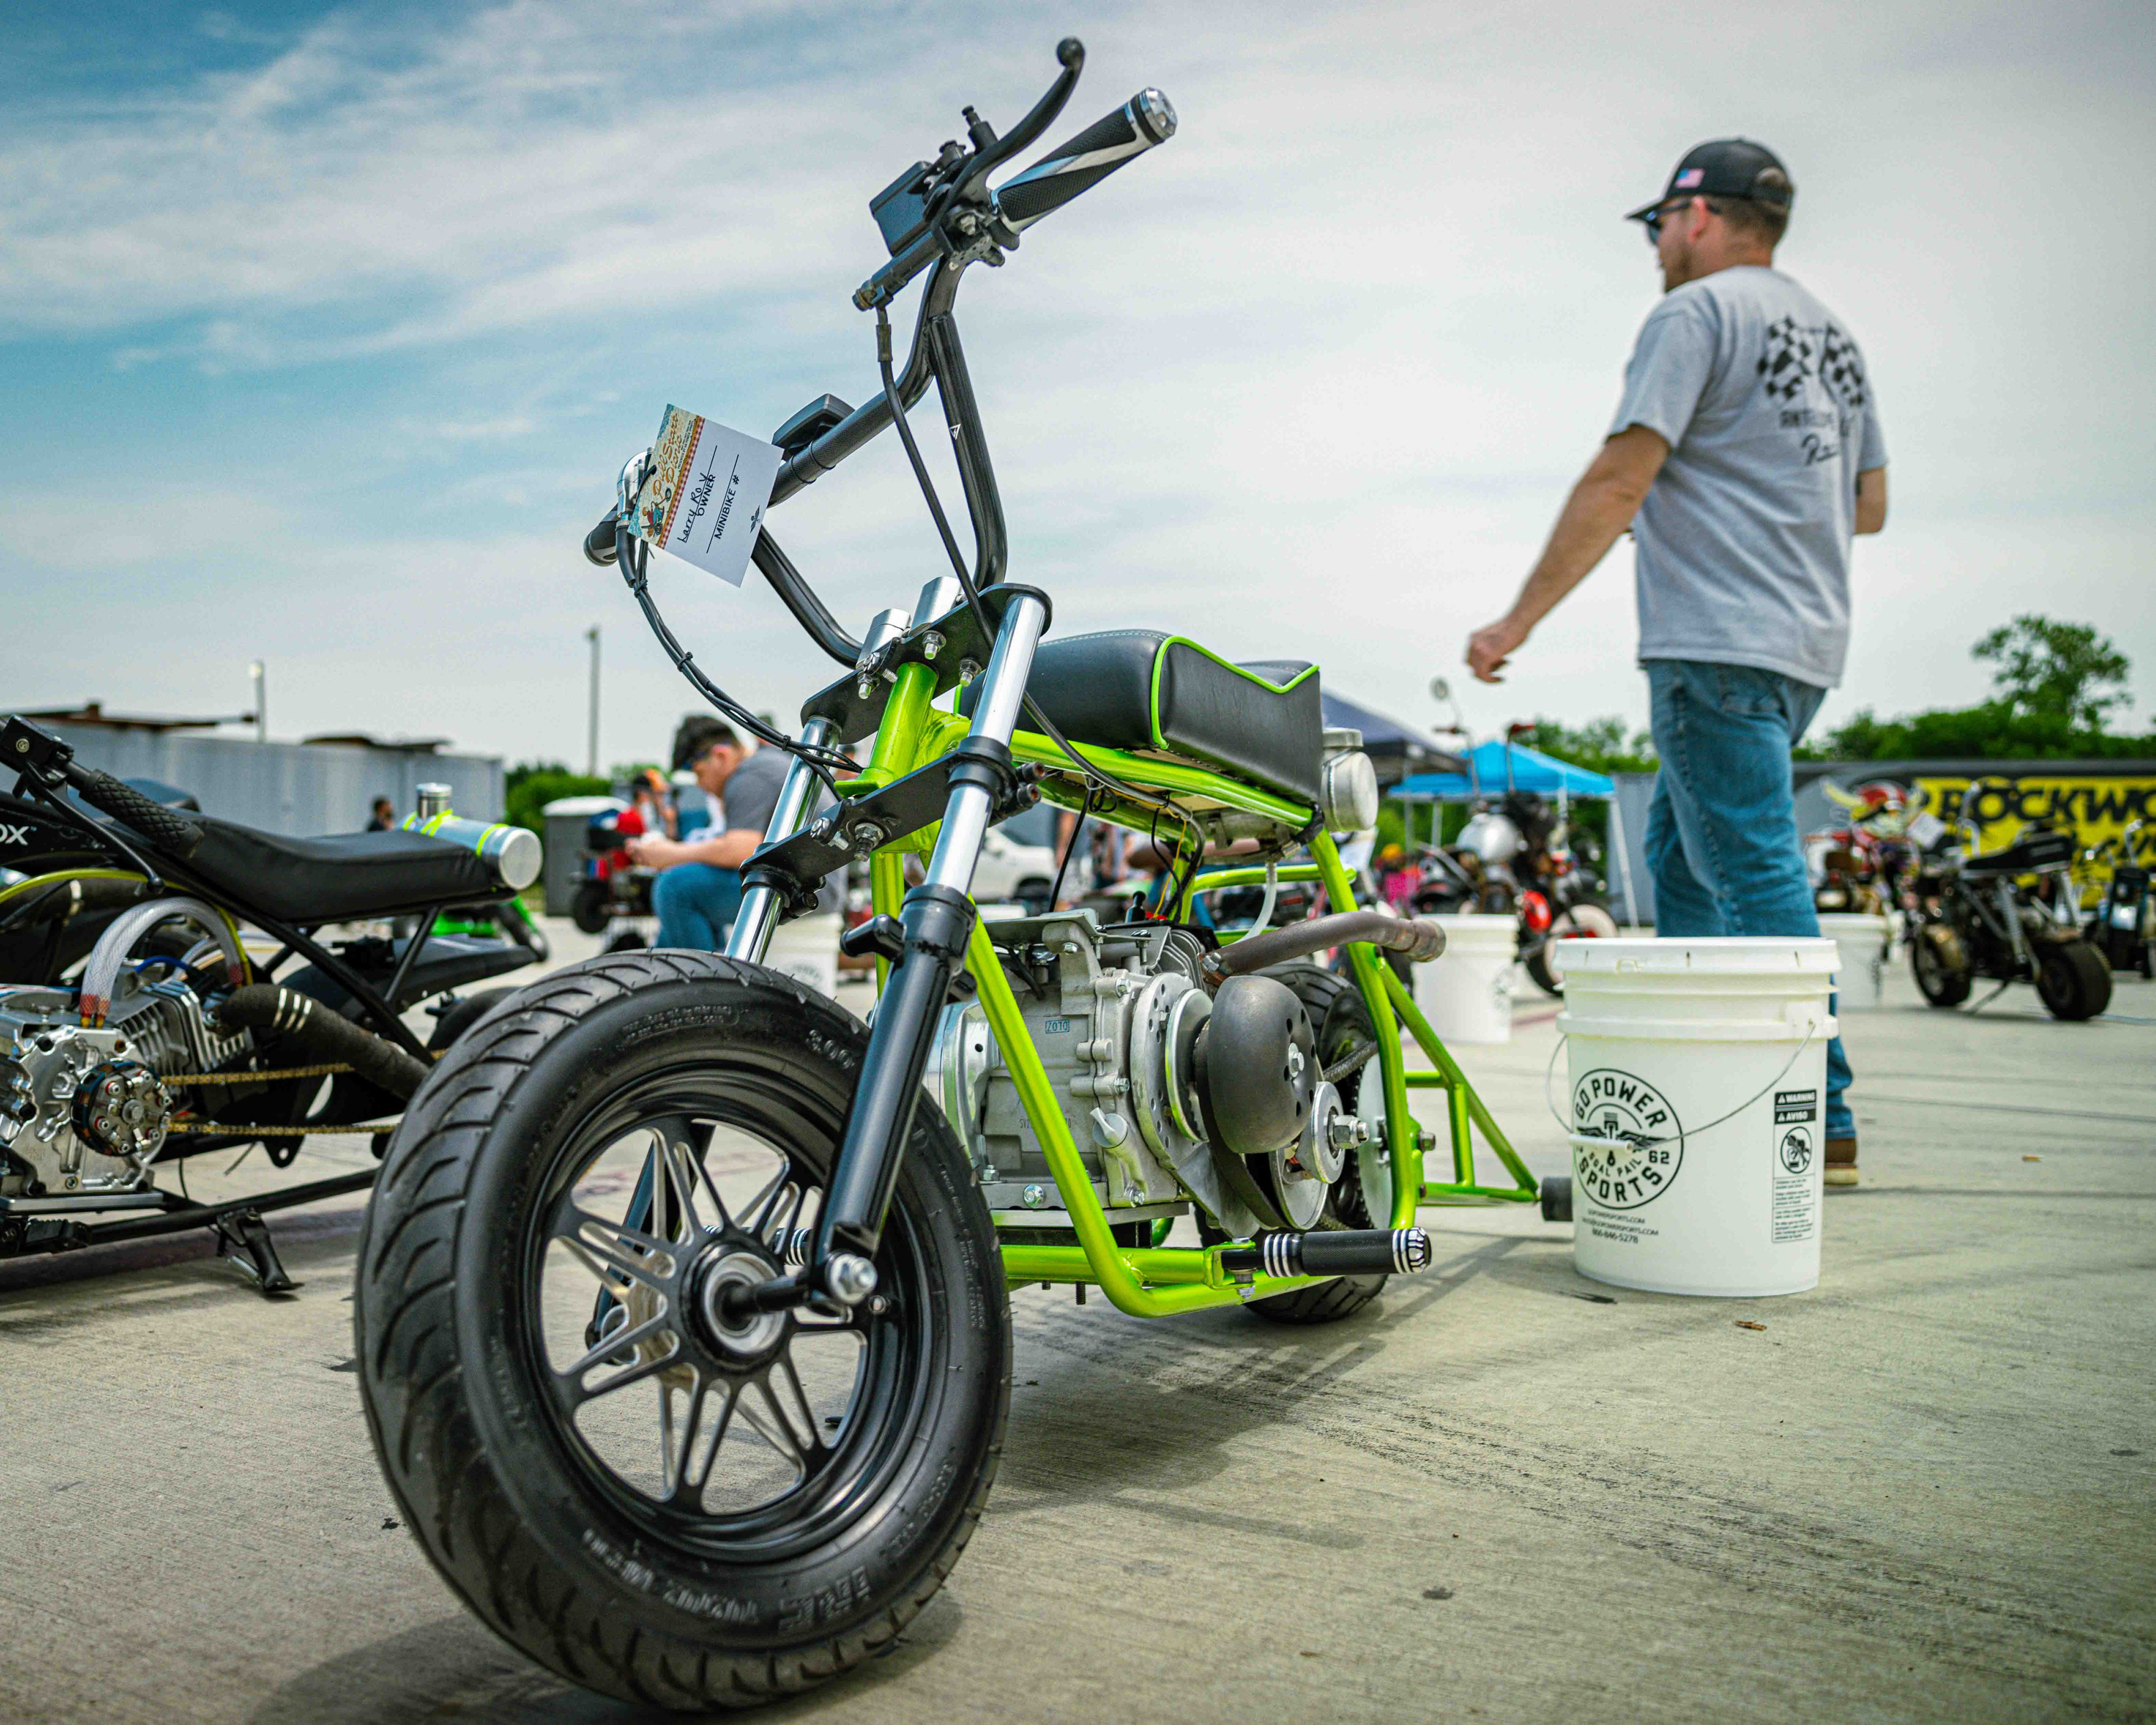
[[850, 1278]]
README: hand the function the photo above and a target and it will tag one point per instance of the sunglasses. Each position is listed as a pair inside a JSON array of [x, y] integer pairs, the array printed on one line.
[[1653, 220]]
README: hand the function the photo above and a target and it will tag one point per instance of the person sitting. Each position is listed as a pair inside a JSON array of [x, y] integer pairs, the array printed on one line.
[[698, 889]]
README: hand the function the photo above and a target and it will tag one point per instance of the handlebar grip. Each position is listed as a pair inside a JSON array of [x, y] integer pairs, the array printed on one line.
[[598, 543], [1148, 119], [171, 829]]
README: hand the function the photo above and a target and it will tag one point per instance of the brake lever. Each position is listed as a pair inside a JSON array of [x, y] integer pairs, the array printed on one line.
[[1070, 55]]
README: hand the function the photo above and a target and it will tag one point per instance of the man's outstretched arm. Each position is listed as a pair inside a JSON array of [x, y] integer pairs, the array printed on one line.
[[1601, 506]]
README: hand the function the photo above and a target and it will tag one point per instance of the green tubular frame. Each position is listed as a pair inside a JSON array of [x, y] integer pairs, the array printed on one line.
[[1157, 1281]]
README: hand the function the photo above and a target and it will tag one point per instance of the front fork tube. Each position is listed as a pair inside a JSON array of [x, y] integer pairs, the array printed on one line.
[[758, 916], [937, 920]]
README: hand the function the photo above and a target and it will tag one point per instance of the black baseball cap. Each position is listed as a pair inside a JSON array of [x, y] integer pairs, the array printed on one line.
[[1725, 167]]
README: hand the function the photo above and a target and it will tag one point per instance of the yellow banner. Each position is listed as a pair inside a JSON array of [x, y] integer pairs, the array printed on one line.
[[2091, 808]]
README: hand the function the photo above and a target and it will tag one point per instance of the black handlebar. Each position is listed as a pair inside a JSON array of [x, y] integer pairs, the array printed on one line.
[[598, 543], [1147, 120], [172, 830], [965, 223]]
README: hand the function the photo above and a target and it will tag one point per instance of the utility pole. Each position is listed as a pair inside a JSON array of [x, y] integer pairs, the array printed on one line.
[[260, 673], [592, 751]]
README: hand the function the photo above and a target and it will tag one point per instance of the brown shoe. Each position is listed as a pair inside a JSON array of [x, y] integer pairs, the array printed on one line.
[[1840, 1168]]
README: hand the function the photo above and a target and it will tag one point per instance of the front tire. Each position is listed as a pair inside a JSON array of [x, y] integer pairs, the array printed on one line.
[[1933, 950], [709, 1512], [2072, 980]]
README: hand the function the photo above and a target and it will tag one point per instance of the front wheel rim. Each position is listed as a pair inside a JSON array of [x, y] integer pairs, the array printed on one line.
[[715, 1436]]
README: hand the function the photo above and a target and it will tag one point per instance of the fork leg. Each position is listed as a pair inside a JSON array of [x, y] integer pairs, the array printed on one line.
[[937, 919], [758, 916]]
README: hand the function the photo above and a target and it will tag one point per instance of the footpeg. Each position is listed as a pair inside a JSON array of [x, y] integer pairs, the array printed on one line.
[[1356, 1251]]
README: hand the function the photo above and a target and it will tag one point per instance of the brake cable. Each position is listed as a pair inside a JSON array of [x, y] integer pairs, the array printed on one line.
[[1089, 772], [633, 557]]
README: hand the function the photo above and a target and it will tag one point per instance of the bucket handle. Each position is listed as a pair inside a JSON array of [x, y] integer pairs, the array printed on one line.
[[1592, 1141]]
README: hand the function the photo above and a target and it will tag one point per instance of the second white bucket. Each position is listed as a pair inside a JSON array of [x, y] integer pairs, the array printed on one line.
[[1862, 942], [1466, 994], [1698, 1072], [806, 949]]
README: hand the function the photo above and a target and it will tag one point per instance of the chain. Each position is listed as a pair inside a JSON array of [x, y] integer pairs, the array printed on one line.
[[243, 1129], [321, 1072]]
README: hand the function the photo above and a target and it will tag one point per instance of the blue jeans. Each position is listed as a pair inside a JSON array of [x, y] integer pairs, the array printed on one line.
[[696, 903], [1722, 832]]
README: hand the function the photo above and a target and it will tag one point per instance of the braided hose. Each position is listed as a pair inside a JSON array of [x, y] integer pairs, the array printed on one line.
[[118, 941]]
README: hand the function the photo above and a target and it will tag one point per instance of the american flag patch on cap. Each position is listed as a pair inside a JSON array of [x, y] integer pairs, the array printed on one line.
[[1691, 177]]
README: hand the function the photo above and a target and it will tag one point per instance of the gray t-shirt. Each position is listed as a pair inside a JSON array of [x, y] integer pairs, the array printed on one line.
[[751, 792], [1744, 538]]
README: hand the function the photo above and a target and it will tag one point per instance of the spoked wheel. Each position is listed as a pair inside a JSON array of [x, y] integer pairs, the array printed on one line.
[[651, 1492]]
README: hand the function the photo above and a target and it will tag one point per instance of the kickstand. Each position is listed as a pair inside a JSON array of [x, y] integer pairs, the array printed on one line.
[[243, 1237], [1991, 997]]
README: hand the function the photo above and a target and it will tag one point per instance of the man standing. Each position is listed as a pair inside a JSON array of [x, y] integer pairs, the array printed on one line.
[[699, 888], [1745, 453]]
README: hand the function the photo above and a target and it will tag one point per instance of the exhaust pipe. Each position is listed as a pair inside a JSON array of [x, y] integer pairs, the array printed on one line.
[[1421, 941], [319, 1030]]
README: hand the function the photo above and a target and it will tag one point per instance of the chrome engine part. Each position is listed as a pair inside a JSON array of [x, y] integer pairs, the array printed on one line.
[[1114, 1013], [85, 1108]]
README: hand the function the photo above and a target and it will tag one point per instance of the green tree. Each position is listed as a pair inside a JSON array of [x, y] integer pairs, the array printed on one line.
[[530, 786], [2062, 671], [1603, 745], [2057, 683]]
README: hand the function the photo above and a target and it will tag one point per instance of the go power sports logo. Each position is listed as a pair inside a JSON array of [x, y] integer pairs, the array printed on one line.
[[1645, 1147]]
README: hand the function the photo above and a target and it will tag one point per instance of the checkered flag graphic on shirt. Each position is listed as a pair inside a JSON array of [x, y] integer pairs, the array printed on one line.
[[1841, 369], [1788, 360]]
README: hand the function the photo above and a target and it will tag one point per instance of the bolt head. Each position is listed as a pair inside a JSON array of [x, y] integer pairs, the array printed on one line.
[[1034, 1196], [850, 1278]]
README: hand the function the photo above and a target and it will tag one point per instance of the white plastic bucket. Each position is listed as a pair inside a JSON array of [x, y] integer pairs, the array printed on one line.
[[1863, 943], [1466, 994], [806, 949], [1664, 1039]]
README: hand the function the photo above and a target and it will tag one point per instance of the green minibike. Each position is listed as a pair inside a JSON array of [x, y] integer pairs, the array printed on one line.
[[683, 1309]]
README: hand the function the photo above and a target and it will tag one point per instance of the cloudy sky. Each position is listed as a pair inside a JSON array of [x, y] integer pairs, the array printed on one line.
[[328, 326]]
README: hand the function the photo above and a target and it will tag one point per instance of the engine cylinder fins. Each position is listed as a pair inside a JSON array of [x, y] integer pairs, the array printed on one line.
[[1345, 1251], [1259, 1060]]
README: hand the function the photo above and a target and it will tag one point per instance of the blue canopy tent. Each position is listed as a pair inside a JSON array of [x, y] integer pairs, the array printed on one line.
[[1531, 770], [1485, 776]]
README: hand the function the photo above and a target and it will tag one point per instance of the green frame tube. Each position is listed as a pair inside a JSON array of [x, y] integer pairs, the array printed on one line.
[[1159, 1281]]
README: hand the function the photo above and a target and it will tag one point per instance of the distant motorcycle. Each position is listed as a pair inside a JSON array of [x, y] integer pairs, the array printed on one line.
[[136, 1030], [2121, 926], [1519, 858], [1992, 916]]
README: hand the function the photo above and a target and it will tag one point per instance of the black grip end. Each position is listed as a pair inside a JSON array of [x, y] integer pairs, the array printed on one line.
[[175, 831], [598, 543], [1071, 53]]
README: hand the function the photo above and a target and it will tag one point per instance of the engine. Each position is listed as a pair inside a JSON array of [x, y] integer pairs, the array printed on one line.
[[1174, 1093], [85, 1108]]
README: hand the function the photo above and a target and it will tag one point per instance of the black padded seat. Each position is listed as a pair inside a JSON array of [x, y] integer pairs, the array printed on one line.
[[1142, 689], [334, 879], [2040, 850]]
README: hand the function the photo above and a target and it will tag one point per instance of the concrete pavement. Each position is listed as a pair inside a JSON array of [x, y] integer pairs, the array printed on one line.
[[1922, 1492]]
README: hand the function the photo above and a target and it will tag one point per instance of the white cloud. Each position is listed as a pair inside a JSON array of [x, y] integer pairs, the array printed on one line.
[[1312, 378]]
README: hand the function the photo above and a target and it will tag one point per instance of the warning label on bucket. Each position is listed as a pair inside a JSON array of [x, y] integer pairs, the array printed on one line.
[[1794, 1208], [1793, 1107]]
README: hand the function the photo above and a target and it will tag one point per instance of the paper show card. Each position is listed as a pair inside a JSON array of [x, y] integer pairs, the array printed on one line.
[[706, 497]]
